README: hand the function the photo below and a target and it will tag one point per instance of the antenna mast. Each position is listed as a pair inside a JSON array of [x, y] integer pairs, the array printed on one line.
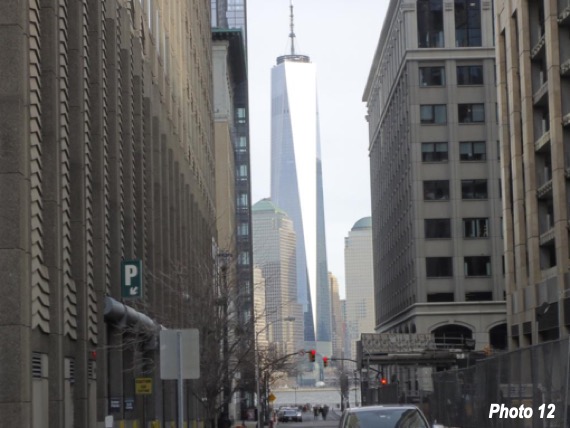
[[292, 33]]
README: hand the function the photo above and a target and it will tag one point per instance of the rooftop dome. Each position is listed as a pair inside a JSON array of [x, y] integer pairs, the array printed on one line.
[[267, 204], [363, 223]]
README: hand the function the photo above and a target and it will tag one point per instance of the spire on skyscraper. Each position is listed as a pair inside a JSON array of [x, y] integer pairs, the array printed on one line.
[[292, 26]]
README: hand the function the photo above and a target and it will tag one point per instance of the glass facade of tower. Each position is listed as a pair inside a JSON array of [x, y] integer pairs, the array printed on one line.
[[296, 183]]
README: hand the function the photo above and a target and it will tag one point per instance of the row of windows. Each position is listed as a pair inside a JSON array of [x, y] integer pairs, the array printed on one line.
[[438, 190], [466, 113], [442, 267], [468, 151], [440, 228], [466, 75], [431, 27]]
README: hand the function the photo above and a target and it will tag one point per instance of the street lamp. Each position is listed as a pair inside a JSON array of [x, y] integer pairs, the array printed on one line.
[[258, 368]]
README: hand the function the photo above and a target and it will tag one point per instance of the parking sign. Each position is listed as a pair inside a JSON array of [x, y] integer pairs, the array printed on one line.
[[131, 279]]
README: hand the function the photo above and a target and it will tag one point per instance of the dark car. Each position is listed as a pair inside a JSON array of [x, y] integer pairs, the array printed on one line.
[[384, 416], [292, 415]]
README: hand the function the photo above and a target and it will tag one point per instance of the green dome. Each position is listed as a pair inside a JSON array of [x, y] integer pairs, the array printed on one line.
[[267, 204], [363, 223]]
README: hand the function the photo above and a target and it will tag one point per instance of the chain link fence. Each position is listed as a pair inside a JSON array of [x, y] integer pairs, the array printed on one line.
[[534, 377]]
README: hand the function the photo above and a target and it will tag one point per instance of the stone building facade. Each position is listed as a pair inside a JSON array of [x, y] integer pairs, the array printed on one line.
[[106, 154], [435, 173], [533, 72]]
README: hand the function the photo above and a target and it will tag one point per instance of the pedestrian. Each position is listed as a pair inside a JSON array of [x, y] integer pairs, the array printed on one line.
[[325, 411], [316, 412]]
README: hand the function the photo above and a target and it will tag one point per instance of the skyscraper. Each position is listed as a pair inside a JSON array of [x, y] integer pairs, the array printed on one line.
[[359, 281], [296, 183], [274, 247]]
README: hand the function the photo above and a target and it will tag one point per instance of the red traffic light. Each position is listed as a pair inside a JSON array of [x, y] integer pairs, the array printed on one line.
[[312, 355], [325, 362], [384, 381]]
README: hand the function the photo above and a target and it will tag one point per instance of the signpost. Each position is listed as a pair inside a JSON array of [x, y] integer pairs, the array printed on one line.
[[180, 359], [131, 279], [143, 385]]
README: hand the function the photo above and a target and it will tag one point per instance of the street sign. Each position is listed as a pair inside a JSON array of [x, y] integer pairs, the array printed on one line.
[[129, 404], [143, 385], [271, 398], [189, 343], [131, 279], [114, 405]]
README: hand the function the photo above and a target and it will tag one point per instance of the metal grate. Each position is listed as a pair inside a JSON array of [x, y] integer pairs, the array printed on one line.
[[37, 366]]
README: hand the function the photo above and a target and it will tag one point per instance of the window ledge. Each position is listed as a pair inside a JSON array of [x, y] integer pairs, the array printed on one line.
[[473, 161]]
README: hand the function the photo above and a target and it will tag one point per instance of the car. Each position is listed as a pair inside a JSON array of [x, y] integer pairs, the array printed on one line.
[[384, 416], [292, 415]]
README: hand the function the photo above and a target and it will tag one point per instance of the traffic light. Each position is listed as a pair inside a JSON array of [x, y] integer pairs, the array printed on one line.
[[382, 379], [325, 362], [312, 355]]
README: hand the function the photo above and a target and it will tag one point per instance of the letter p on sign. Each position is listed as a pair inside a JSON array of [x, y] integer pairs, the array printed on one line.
[[131, 279]]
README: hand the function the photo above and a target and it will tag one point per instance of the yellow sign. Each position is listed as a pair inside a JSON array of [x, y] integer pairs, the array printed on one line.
[[143, 385], [271, 398]]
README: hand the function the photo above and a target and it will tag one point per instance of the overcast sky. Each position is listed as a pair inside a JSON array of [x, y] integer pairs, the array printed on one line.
[[341, 37]]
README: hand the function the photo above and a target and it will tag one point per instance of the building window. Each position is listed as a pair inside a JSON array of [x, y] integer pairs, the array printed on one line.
[[437, 228], [472, 151], [433, 113], [440, 297], [241, 115], [430, 23], [477, 266], [439, 267], [471, 113], [479, 296], [242, 201], [432, 76], [436, 190], [241, 172], [434, 152], [475, 227], [467, 23], [469, 75], [243, 229], [243, 258], [241, 144], [474, 189]]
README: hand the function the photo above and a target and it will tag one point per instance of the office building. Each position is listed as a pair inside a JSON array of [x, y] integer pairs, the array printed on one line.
[[359, 276], [296, 184], [274, 247], [435, 173], [337, 319], [533, 73], [107, 155]]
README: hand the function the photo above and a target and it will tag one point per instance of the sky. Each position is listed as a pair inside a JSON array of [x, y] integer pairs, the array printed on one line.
[[341, 37]]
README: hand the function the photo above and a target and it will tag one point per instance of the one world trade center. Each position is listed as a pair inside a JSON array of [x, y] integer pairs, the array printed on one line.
[[296, 185]]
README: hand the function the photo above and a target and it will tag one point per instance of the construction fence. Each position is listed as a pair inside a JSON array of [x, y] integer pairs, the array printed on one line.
[[535, 378]]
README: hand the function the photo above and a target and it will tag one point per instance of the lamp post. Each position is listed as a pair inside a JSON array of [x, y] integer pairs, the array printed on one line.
[[258, 368]]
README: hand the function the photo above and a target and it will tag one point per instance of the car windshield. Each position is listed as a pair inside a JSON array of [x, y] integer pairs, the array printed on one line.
[[290, 412], [386, 418]]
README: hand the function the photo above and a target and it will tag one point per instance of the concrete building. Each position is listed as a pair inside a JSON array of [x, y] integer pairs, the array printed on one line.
[[259, 306], [534, 114], [337, 318], [296, 185], [106, 155], [274, 253], [359, 276], [435, 173]]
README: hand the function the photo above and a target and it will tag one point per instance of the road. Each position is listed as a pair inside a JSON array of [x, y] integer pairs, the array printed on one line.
[[310, 422]]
